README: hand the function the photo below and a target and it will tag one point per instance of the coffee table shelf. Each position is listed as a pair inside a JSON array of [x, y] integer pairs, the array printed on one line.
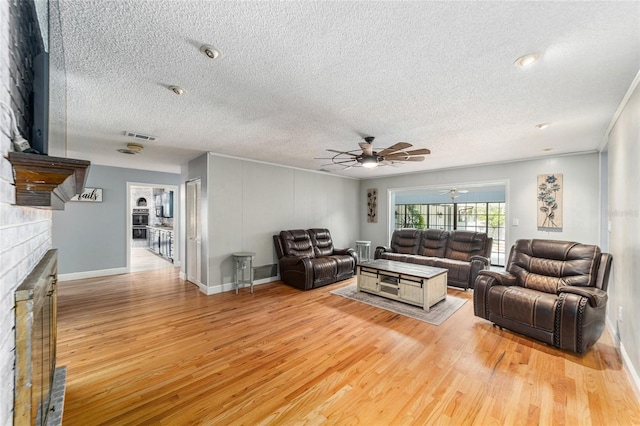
[[419, 285]]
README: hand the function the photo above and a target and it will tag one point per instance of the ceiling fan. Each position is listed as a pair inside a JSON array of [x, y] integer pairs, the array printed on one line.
[[367, 157], [453, 192]]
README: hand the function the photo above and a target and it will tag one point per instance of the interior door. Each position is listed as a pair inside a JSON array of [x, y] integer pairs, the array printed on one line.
[[194, 226]]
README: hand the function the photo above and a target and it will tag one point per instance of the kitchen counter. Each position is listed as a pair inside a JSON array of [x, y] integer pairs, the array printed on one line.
[[161, 227]]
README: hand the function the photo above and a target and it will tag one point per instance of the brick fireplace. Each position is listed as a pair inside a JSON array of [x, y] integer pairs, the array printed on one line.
[[25, 233]]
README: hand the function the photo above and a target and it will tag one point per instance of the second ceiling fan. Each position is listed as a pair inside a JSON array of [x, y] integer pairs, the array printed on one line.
[[367, 157]]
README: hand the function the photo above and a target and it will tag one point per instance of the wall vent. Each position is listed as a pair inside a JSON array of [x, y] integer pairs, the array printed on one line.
[[140, 136], [265, 271]]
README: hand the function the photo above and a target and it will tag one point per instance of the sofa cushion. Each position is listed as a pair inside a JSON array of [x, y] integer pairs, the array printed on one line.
[[459, 270], [296, 243], [548, 265], [463, 245], [394, 256], [433, 243], [421, 260], [405, 241], [321, 241]]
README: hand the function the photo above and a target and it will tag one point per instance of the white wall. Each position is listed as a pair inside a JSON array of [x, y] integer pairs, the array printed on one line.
[[624, 238], [581, 199], [249, 202]]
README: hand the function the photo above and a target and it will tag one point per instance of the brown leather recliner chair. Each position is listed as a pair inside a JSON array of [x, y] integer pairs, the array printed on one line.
[[552, 291], [307, 258]]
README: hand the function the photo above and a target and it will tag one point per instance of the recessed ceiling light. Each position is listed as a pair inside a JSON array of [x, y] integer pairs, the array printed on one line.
[[527, 60], [210, 51], [542, 125], [177, 90]]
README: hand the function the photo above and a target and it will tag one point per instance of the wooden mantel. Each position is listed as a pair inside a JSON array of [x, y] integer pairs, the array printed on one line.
[[47, 182]]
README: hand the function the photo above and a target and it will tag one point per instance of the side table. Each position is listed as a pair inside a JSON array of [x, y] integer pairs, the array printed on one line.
[[243, 260]]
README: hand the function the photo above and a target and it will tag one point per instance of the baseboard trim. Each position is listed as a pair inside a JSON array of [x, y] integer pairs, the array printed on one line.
[[626, 361], [221, 288], [92, 274]]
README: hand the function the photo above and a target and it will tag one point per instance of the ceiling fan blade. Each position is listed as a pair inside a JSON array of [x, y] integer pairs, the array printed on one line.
[[422, 151], [404, 158], [462, 191], [337, 163], [367, 148], [393, 148], [343, 152]]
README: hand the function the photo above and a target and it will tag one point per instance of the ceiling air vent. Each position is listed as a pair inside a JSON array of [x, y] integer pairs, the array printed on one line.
[[140, 136]]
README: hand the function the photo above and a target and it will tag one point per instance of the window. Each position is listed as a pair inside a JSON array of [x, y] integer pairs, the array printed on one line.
[[476, 217]]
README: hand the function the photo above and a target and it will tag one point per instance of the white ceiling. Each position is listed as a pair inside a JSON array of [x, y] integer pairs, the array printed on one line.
[[299, 77]]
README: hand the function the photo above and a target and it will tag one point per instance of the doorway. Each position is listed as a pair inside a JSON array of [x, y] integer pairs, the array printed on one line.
[[193, 252], [151, 234]]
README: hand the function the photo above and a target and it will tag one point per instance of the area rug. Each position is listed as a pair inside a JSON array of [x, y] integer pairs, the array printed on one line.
[[436, 315]]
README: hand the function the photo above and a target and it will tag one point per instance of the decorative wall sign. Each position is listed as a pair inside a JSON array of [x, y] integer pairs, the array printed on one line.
[[550, 201], [93, 195], [372, 205]]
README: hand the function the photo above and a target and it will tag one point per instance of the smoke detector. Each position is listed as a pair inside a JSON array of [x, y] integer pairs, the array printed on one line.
[[132, 148]]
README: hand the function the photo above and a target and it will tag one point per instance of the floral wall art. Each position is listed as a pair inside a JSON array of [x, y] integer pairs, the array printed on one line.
[[550, 201], [372, 205]]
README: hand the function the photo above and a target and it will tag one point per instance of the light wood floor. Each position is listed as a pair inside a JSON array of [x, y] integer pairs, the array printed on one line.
[[147, 348], [142, 259]]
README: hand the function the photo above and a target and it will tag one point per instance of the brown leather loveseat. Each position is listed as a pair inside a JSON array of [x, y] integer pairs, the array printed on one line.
[[463, 253], [307, 258], [552, 291]]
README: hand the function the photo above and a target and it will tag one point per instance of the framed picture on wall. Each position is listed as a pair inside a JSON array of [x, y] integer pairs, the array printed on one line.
[[549, 206], [372, 205]]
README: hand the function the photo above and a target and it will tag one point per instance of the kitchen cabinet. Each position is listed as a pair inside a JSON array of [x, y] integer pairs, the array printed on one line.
[[161, 242]]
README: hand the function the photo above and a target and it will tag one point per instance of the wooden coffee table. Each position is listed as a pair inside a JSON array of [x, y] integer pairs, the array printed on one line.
[[407, 282]]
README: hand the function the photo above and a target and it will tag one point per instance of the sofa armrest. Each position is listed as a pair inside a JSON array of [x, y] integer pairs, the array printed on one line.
[[481, 259], [485, 280], [499, 278], [291, 261], [478, 263], [297, 271], [381, 249], [596, 297], [348, 251]]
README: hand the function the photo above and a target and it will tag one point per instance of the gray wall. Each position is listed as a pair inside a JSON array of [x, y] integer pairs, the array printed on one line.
[[248, 202], [581, 200], [93, 236], [624, 219]]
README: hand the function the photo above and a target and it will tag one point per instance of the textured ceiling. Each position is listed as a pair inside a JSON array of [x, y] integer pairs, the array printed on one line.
[[296, 78]]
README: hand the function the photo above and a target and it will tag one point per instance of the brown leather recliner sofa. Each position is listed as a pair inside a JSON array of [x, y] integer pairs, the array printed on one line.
[[552, 291], [463, 253], [307, 258]]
